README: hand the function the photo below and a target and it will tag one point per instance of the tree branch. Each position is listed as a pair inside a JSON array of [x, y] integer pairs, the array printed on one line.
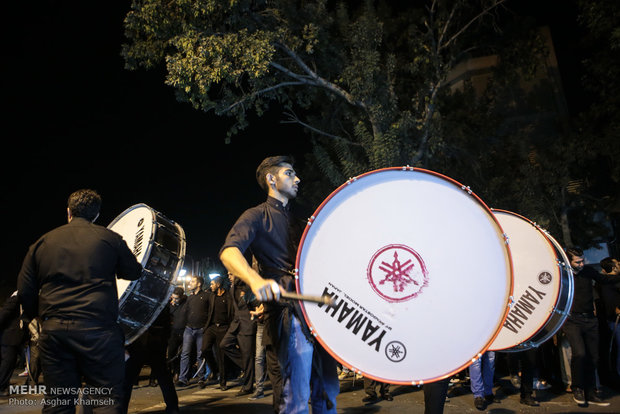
[[271, 88], [319, 81], [472, 21], [294, 119]]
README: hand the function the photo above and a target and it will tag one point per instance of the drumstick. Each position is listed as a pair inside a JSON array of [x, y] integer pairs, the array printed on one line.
[[325, 300]]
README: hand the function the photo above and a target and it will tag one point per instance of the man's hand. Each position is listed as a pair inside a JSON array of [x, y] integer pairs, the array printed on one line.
[[266, 290], [258, 312]]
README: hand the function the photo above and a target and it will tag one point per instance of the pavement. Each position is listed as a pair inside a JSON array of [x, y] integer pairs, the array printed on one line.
[[407, 399]]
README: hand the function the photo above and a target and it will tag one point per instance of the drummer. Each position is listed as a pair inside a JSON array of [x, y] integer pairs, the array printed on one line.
[[271, 231], [68, 278]]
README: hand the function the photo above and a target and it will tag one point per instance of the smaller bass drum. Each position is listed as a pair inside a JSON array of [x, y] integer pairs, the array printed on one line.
[[159, 245], [543, 285]]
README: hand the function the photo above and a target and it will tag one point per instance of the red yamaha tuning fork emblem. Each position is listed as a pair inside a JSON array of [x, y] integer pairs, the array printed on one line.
[[397, 273]]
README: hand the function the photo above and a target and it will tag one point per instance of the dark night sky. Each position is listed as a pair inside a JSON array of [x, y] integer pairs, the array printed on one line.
[[76, 118]]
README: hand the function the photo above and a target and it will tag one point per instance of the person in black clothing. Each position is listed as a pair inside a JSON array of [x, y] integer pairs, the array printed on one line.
[[581, 329], [370, 386], [196, 310], [150, 349], [220, 314], [241, 332], [12, 337], [178, 320], [610, 297], [271, 231], [68, 278]]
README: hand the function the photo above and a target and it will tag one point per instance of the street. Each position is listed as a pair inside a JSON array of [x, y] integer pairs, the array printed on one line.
[[407, 399]]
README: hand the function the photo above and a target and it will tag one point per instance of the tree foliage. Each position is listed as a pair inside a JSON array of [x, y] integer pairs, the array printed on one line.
[[362, 77], [368, 81]]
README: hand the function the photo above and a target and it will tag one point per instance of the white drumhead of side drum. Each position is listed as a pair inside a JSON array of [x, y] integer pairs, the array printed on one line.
[[537, 280], [419, 271], [136, 225]]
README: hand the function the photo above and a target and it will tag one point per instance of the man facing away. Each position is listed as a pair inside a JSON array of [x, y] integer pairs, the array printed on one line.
[[271, 232], [68, 278]]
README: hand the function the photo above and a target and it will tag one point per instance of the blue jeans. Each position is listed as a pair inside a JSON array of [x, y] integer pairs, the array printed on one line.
[[481, 375], [615, 331], [260, 359], [298, 378], [192, 337]]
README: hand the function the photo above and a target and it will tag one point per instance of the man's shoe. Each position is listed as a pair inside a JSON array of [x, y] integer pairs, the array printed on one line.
[[181, 383], [480, 403], [223, 387], [243, 392], [490, 399], [596, 400], [578, 396], [528, 400], [257, 396], [387, 396], [202, 384], [369, 399]]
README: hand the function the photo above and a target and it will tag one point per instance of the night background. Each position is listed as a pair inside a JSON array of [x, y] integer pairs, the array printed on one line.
[[75, 118]]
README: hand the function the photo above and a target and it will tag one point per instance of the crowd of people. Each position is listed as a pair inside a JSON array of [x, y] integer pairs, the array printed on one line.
[[237, 329]]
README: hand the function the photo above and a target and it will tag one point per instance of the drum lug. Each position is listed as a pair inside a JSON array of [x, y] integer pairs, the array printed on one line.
[[407, 167], [466, 188], [511, 301]]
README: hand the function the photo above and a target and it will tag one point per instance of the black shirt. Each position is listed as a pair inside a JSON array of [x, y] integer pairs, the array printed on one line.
[[70, 273], [178, 315], [220, 312], [271, 232], [197, 309], [583, 297]]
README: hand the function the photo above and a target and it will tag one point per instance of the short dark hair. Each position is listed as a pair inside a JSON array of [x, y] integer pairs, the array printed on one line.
[[178, 291], [269, 166], [200, 280], [84, 203], [573, 252], [607, 264]]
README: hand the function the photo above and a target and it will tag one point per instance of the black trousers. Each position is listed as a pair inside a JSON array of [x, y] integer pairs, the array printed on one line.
[[275, 375], [371, 385], [8, 353], [175, 343], [243, 356], [212, 337], [582, 334], [435, 396], [526, 363], [72, 351], [156, 359]]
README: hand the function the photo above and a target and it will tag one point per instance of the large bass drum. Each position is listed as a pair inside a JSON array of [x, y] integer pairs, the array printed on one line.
[[159, 245], [543, 279], [418, 270]]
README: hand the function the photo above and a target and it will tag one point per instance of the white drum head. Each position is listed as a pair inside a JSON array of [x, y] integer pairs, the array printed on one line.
[[537, 280], [419, 271], [136, 226]]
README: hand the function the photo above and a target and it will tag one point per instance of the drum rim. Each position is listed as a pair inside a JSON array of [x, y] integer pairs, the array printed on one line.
[[155, 215], [492, 218], [555, 247]]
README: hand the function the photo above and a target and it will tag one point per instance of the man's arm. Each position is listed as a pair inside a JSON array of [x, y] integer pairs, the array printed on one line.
[[28, 285], [235, 263], [128, 266]]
